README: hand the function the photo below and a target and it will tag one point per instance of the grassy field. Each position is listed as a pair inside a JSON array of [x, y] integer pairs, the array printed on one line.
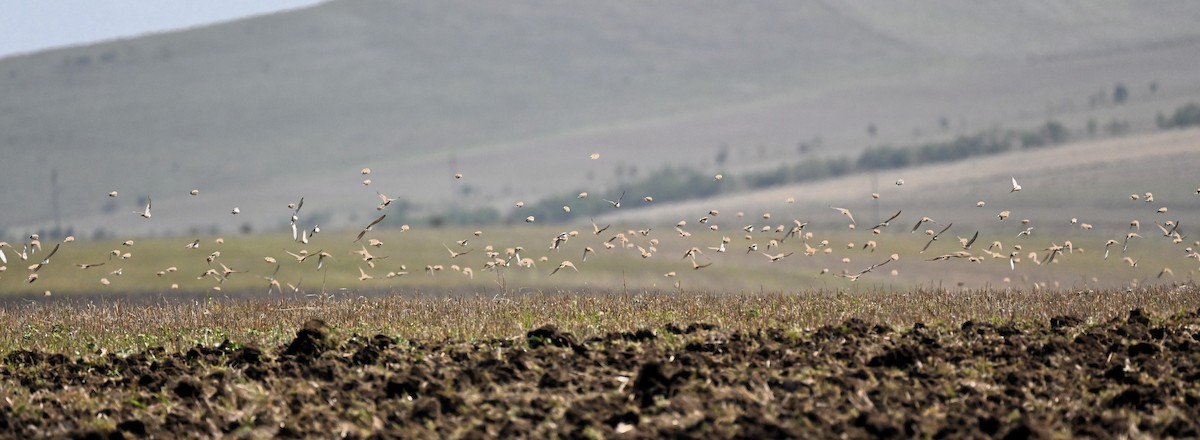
[[82, 326], [418, 254]]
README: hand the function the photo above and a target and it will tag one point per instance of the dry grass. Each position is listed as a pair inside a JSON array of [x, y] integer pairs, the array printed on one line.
[[78, 327], [607, 270]]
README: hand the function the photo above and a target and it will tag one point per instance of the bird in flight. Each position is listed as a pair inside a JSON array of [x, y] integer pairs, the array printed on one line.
[[146, 213], [384, 201], [1125, 246], [596, 229], [920, 222], [1106, 245], [935, 237], [564, 264], [845, 212], [368, 228], [1015, 186], [777, 257], [967, 243], [456, 254], [885, 223], [854, 277], [616, 203]]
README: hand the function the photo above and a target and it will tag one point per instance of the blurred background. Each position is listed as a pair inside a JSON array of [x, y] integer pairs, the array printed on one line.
[[259, 104]]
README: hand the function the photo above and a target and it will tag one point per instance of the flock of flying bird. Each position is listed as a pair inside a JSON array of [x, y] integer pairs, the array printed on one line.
[[642, 241]]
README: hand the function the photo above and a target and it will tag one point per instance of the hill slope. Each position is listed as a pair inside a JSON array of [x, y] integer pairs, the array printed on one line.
[[260, 112]]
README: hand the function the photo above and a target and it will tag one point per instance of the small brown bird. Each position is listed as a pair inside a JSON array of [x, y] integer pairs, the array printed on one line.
[[1125, 246], [596, 229], [920, 222], [777, 257], [384, 201], [457, 254], [845, 212], [564, 264]]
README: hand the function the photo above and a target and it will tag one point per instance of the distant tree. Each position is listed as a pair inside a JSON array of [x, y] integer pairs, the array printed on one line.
[[884, 157], [1120, 93], [722, 154], [802, 148], [1056, 132], [944, 123], [1184, 116], [1097, 98], [872, 130], [1153, 87], [1092, 125], [1116, 127]]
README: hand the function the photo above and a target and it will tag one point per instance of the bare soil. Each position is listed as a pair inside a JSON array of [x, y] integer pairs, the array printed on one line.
[[1133, 375]]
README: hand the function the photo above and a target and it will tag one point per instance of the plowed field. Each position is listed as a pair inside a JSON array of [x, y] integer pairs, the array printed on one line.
[[1132, 375]]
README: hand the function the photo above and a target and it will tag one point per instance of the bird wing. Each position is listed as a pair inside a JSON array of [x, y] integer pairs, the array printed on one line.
[[928, 243], [947, 228], [917, 226], [972, 240], [893, 217]]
